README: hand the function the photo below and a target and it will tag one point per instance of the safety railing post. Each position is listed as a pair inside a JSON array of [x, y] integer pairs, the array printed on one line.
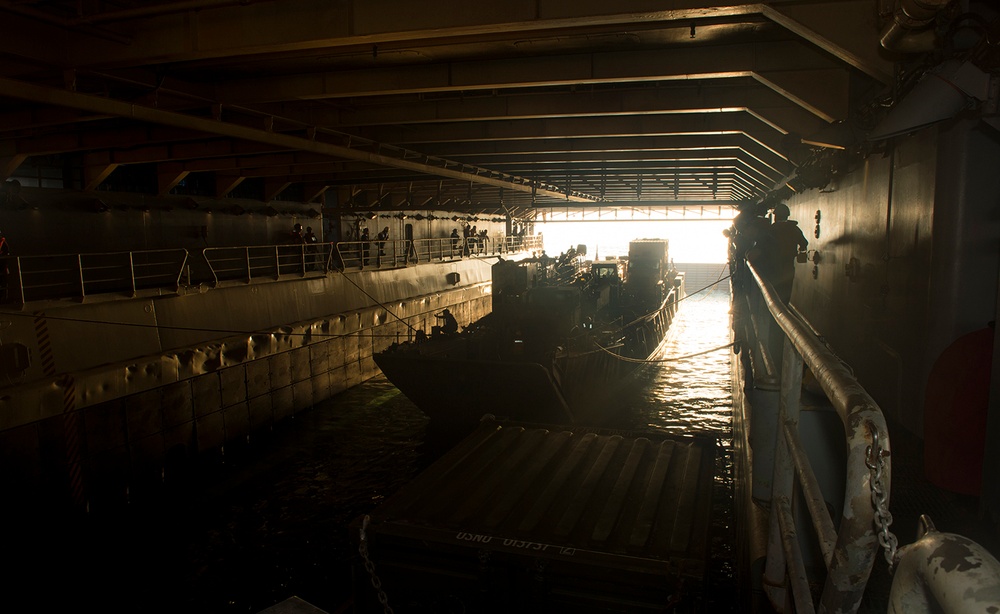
[[327, 257], [340, 254], [131, 269], [20, 280], [783, 481], [211, 267], [764, 399], [79, 267]]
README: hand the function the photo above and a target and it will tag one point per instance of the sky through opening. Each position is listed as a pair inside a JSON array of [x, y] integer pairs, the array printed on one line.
[[698, 241]]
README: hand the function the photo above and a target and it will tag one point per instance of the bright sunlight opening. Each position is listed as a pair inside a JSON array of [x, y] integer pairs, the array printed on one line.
[[695, 241]]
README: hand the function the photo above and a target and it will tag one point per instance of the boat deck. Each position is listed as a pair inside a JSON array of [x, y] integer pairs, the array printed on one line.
[[548, 518]]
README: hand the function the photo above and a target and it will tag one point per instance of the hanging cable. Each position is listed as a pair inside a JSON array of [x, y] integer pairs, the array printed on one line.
[[661, 360], [377, 302], [711, 285]]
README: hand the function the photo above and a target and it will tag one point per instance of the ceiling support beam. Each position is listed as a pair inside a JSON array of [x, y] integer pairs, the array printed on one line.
[[96, 168], [352, 25], [47, 95], [835, 27], [10, 164], [273, 188], [168, 176], [638, 99], [540, 131], [226, 183], [314, 191], [716, 62]]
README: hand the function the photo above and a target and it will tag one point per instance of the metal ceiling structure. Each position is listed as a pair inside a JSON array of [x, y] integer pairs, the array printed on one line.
[[512, 106]]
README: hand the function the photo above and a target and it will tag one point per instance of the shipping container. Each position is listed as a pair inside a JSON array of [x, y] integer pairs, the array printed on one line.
[[528, 517]]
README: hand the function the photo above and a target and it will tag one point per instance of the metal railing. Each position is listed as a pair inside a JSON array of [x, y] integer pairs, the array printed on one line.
[[26, 279], [940, 572], [375, 254], [367, 254], [437, 250], [530, 243], [847, 552], [248, 263], [78, 276]]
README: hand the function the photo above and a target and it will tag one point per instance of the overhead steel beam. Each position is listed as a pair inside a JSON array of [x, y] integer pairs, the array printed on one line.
[[731, 186], [587, 159], [668, 97], [695, 61], [308, 25], [631, 126], [142, 12], [658, 143], [821, 92], [847, 29], [90, 139], [46, 95]]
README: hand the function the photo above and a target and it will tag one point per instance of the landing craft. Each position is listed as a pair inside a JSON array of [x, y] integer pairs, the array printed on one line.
[[559, 344]]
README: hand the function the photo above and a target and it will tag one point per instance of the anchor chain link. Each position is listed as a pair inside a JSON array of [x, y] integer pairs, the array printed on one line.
[[875, 461], [370, 566]]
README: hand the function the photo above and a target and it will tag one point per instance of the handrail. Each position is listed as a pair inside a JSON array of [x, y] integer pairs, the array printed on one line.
[[78, 276], [940, 572], [255, 262], [856, 540], [378, 254]]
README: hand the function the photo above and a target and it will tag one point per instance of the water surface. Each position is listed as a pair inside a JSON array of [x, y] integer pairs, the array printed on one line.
[[271, 521]]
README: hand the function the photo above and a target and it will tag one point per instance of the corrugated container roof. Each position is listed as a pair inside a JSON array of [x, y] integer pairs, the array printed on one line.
[[622, 499]]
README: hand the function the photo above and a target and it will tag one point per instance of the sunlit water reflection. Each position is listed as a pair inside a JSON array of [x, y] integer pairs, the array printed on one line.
[[272, 521], [689, 390]]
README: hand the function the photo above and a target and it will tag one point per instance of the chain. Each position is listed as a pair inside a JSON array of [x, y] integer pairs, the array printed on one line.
[[363, 549], [875, 461]]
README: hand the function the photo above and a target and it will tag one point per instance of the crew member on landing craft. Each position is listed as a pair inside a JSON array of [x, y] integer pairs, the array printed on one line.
[[449, 325]]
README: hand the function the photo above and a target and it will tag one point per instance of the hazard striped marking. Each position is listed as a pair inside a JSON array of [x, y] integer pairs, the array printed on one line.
[[74, 441], [44, 344], [73, 420]]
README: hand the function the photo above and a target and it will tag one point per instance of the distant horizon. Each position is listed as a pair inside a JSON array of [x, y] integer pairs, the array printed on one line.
[[690, 241]]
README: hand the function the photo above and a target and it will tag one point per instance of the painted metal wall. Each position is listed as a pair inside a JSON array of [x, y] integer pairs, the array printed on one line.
[[908, 246], [108, 408]]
